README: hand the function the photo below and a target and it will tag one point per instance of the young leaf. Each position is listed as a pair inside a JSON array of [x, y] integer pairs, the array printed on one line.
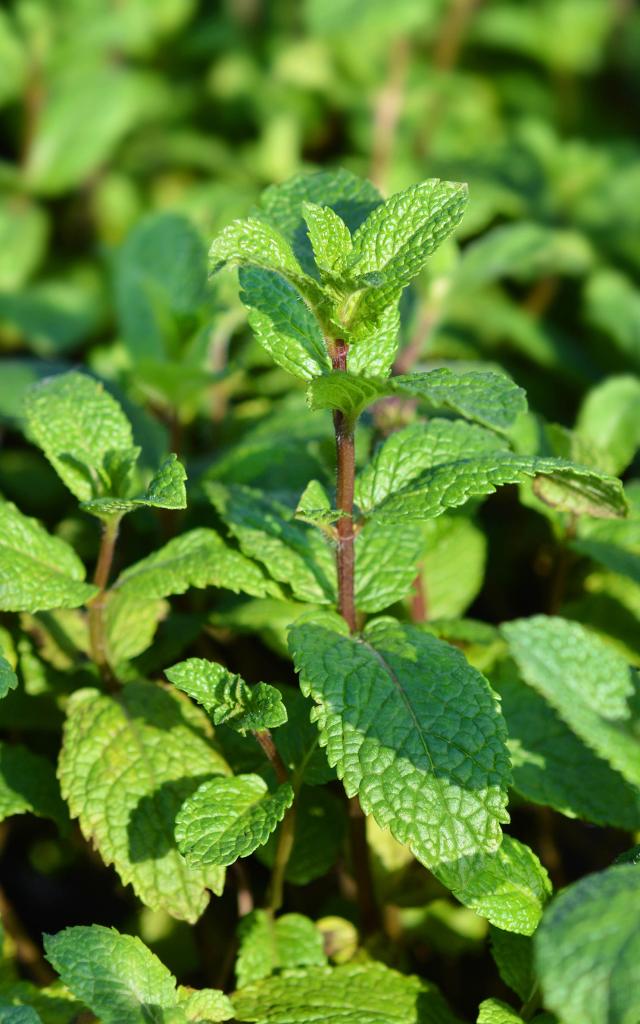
[[28, 785], [367, 993], [77, 424], [330, 238], [268, 945], [267, 531], [115, 975], [227, 698], [411, 728], [585, 681], [37, 571], [166, 490], [283, 323], [254, 243], [229, 818], [393, 244], [197, 558], [373, 346], [587, 949], [494, 1011], [509, 887], [127, 765], [554, 767], [206, 1004]]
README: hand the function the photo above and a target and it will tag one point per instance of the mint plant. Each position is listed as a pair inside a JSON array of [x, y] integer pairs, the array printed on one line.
[[412, 735]]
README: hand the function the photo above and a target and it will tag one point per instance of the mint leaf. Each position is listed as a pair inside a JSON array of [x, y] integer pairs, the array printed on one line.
[[491, 399], [407, 453], [198, 558], [329, 236], [440, 788], [77, 424], [266, 530], [345, 392], [350, 197], [563, 485], [255, 243], [227, 698], [115, 975], [8, 678], [37, 571], [588, 947], [608, 420], [207, 1004], [130, 624], [283, 323], [268, 945], [494, 1011], [554, 767], [585, 681], [509, 887], [452, 564], [368, 993], [513, 955], [166, 490], [127, 764], [393, 244], [229, 818], [28, 785], [373, 346], [386, 564]]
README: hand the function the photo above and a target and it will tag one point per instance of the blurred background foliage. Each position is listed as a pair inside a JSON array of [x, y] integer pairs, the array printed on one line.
[[131, 132]]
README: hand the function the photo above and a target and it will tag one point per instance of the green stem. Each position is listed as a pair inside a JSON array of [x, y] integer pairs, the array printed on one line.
[[286, 832], [96, 607]]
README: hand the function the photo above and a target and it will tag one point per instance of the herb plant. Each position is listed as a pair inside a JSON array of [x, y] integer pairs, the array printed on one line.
[[406, 732]]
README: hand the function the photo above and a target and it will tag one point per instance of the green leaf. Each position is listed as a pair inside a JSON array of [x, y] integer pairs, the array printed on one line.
[[166, 490], [229, 818], [393, 244], [562, 485], [373, 346], [268, 945], [608, 420], [452, 564], [526, 251], [126, 767], [552, 766], [8, 678], [255, 243], [24, 229], [160, 274], [587, 682], [368, 993], [28, 785], [407, 453], [198, 558], [491, 399], [615, 545], [395, 715], [130, 624], [330, 238], [297, 741], [494, 1011], [587, 949], [386, 564], [227, 698], [115, 975], [613, 305], [509, 887], [513, 955], [350, 197], [78, 425], [283, 323], [266, 530], [37, 571], [207, 1004]]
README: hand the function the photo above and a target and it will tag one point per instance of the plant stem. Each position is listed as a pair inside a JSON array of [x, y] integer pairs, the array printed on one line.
[[345, 483], [286, 832], [97, 633]]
